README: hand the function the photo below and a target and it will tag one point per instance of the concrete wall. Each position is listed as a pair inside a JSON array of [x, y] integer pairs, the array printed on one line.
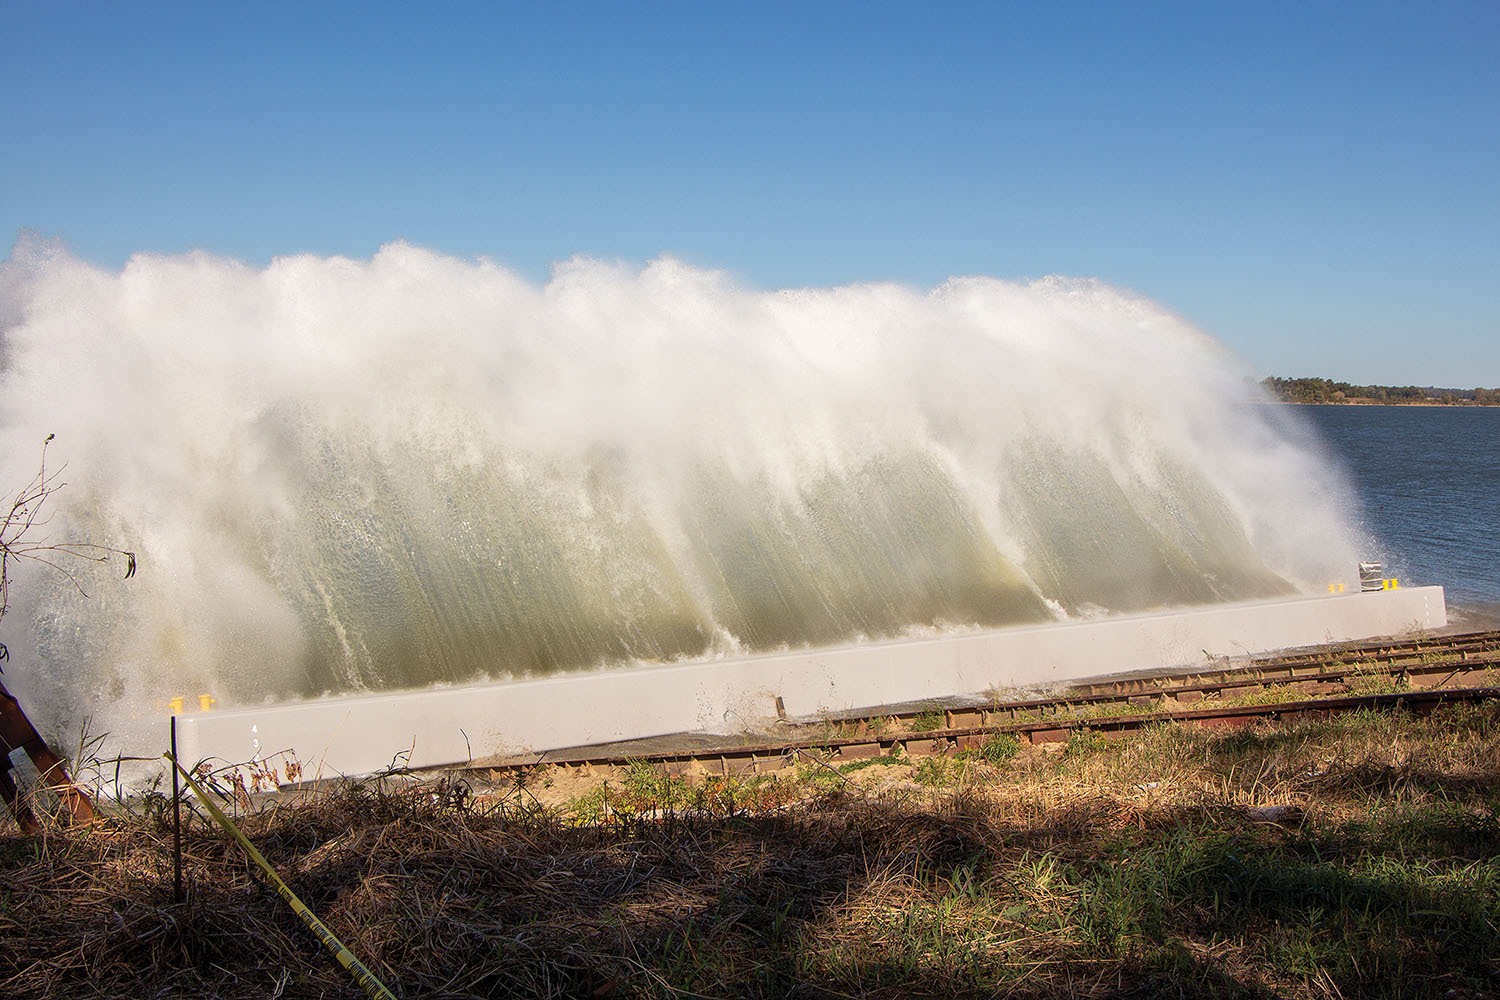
[[361, 734]]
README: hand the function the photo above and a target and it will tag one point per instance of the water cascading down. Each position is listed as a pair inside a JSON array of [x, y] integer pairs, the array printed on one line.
[[346, 475]]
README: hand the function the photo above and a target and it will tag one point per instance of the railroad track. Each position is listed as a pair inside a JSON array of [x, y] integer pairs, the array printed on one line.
[[1416, 674]]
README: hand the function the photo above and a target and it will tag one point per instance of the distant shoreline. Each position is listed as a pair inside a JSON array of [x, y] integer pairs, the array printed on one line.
[[1437, 405], [1326, 392]]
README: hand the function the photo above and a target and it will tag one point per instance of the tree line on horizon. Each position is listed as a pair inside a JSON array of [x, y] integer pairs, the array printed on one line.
[[1322, 390]]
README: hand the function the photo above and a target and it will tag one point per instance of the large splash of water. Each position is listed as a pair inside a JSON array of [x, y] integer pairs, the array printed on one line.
[[351, 475]]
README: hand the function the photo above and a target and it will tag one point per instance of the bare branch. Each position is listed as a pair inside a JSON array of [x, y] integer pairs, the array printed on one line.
[[25, 517]]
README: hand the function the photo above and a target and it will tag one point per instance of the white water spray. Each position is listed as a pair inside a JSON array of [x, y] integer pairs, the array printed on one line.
[[350, 475]]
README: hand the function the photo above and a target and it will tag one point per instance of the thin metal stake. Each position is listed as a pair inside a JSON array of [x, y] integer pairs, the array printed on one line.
[[176, 824]]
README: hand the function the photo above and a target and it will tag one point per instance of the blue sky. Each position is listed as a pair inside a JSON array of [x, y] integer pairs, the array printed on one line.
[[1317, 185]]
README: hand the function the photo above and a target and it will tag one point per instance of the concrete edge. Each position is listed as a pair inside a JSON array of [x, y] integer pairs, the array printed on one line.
[[362, 734]]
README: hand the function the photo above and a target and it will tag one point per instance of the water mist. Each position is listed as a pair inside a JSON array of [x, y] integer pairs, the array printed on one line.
[[348, 475]]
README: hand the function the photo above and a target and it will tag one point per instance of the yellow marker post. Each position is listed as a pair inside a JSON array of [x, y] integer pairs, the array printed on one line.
[[176, 705], [363, 976], [206, 702]]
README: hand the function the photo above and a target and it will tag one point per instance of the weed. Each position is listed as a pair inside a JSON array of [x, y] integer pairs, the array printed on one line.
[[1084, 743], [590, 809], [1000, 749], [930, 718], [932, 771], [644, 782]]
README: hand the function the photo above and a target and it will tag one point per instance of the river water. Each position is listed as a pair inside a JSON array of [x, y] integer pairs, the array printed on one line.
[[1429, 482]]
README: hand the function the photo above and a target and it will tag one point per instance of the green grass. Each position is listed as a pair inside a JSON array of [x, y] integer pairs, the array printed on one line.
[[932, 771], [931, 717], [884, 760], [1108, 867], [1000, 749]]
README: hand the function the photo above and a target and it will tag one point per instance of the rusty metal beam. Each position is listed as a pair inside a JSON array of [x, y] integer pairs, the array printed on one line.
[[759, 758], [17, 733]]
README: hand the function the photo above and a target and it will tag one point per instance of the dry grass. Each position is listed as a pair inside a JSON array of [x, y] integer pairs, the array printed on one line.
[[1145, 866]]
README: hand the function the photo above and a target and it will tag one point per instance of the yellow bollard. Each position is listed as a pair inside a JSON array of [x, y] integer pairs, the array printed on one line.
[[205, 702], [176, 705]]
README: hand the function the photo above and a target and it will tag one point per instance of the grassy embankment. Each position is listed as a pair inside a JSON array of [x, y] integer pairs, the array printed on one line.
[[1354, 857]]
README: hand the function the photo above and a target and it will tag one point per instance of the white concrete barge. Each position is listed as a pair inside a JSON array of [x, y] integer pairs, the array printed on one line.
[[362, 734]]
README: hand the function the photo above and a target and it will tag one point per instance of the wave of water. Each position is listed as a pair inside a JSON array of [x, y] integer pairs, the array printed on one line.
[[371, 474]]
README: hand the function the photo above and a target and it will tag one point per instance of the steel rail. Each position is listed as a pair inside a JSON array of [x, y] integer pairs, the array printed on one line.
[[1436, 672], [1384, 648], [773, 756], [1436, 669]]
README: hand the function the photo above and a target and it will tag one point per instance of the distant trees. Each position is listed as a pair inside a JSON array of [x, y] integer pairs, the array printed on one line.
[[1322, 390]]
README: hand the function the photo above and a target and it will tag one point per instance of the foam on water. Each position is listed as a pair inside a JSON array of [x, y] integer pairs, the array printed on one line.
[[349, 475]]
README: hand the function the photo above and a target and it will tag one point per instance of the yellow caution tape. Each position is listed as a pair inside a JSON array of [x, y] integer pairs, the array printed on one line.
[[363, 976]]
